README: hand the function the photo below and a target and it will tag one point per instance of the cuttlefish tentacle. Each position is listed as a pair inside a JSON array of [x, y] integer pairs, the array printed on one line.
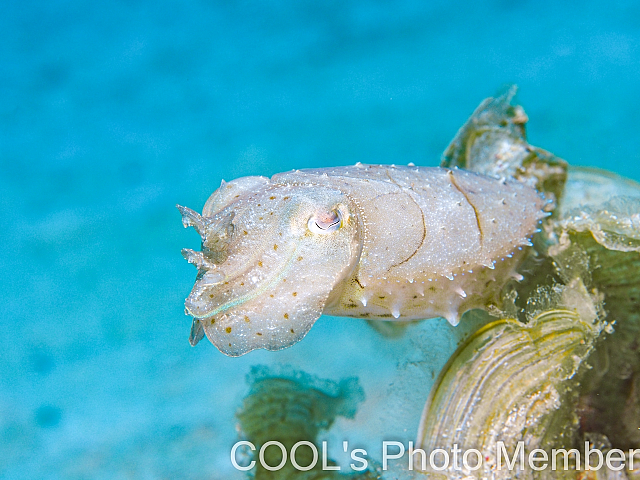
[[191, 218], [208, 273], [217, 237], [216, 234], [197, 259]]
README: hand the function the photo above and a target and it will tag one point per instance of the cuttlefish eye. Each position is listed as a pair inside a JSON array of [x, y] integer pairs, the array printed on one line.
[[324, 223]]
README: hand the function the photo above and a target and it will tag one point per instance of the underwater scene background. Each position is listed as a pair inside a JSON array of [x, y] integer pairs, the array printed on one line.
[[113, 113]]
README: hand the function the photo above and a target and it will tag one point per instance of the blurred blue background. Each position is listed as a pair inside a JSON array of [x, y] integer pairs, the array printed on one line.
[[111, 113]]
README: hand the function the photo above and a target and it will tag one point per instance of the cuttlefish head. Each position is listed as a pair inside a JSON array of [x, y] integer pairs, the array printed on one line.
[[272, 257]]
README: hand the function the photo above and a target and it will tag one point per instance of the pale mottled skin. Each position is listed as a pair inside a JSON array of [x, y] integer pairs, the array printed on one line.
[[370, 241]]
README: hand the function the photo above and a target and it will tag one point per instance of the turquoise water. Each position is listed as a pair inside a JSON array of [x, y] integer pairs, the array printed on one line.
[[112, 114]]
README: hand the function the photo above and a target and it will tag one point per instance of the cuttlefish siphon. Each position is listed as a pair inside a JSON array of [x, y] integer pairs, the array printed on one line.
[[369, 241]]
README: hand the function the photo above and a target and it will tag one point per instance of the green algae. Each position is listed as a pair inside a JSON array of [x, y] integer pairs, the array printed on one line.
[[606, 235], [289, 406], [493, 142], [586, 261]]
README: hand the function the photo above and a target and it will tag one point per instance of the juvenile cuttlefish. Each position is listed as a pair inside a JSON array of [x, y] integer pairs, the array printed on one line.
[[369, 241]]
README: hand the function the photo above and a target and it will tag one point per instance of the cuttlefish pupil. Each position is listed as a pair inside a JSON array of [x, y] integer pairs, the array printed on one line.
[[325, 223]]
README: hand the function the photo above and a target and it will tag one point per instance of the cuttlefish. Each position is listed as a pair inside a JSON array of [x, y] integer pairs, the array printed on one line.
[[368, 241]]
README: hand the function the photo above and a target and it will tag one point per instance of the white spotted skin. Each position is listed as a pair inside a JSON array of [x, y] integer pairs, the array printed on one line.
[[412, 243]]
